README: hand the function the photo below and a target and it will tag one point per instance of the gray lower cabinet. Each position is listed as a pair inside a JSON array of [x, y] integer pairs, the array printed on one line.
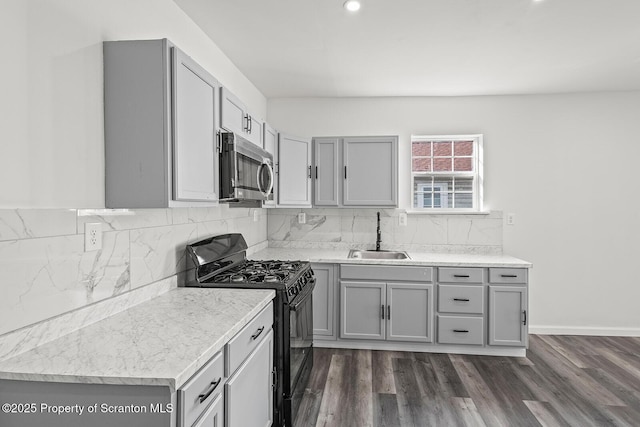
[[248, 392], [386, 311], [508, 315], [294, 171], [160, 127], [324, 296], [197, 396], [214, 415]]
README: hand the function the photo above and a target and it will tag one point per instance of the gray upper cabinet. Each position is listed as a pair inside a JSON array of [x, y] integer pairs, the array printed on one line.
[[270, 141], [294, 171], [370, 171], [326, 170], [356, 171], [234, 117], [160, 127]]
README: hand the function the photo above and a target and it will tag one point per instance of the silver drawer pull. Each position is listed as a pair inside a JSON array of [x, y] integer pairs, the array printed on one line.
[[461, 330], [462, 276], [257, 334], [205, 395], [461, 299]]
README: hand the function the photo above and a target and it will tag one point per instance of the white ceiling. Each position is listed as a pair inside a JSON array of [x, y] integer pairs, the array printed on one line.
[[304, 48]]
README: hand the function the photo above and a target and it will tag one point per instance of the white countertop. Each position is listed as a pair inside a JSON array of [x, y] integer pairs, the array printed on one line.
[[163, 341], [339, 256]]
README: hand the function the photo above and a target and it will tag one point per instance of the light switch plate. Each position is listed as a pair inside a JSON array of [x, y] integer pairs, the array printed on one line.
[[511, 219], [256, 215], [302, 218]]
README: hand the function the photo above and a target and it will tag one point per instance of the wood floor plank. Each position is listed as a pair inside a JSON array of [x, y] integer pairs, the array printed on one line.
[[581, 382], [309, 408], [382, 372], [546, 414], [321, 363], [410, 410], [334, 395], [385, 410], [467, 412], [360, 409], [449, 383], [481, 394], [567, 352]]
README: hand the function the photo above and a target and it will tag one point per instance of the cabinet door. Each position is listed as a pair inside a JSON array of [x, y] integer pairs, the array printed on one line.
[[370, 171], [194, 131], [362, 310], [409, 312], [323, 301], [254, 132], [294, 171], [249, 393], [214, 415], [232, 113], [326, 172], [508, 315]]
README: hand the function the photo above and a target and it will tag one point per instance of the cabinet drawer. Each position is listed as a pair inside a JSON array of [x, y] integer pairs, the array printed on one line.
[[461, 298], [248, 339], [460, 275], [383, 273], [508, 275], [460, 330], [197, 393]]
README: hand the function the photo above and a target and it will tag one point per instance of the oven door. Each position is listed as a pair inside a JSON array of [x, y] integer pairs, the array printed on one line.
[[301, 337]]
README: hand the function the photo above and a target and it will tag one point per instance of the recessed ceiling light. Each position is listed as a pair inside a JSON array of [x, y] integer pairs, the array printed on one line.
[[352, 5]]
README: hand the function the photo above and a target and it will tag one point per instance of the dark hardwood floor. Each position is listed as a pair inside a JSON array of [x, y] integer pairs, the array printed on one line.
[[563, 381]]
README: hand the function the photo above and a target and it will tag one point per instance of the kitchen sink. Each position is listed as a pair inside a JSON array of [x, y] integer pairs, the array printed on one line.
[[365, 254]]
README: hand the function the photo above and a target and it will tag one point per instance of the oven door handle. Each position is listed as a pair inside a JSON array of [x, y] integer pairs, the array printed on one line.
[[302, 297]]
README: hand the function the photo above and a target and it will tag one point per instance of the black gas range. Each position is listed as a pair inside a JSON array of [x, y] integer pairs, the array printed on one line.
[[221, 262]]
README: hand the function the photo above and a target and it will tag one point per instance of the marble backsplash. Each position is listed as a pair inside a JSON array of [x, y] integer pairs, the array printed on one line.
[[356, 229], [44, 271]]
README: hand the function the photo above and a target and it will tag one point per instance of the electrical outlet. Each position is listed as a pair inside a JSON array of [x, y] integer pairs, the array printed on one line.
[[92, 236], [302, 218], [402, 219], [256, 216], [511, 219]]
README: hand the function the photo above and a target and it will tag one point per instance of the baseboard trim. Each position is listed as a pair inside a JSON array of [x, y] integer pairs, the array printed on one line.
[[424, 348], [584, 330]]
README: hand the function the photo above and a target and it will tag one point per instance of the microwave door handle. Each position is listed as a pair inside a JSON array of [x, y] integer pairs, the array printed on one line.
[[271, 179], [258, 179]]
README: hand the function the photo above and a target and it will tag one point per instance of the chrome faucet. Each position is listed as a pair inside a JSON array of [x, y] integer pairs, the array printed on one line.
[[379, 236]]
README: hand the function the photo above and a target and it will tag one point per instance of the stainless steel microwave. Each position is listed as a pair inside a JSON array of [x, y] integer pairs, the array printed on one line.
[[246, 170]]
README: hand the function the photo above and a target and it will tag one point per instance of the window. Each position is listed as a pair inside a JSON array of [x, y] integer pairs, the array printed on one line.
[[446, 172]]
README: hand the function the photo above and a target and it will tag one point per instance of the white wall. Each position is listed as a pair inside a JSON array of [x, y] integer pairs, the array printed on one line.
[[566, 165], [51, 108]]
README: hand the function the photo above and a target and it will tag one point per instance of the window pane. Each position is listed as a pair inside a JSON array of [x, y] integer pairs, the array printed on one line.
[[464, 184], [422, 184], [464, 200], [463, 148], [421, 165], [442, 149], [443, 184], [421, 149], [447, 200], [464, 164], [442, 164]]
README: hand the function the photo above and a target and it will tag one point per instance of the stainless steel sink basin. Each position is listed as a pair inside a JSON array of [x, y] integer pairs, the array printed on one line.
[[364, 254]]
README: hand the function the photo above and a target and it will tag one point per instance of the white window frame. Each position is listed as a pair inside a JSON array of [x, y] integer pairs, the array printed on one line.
[[477, 174]]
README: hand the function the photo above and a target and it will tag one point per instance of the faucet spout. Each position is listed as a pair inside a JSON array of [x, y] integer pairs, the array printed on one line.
[[379, 234]]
